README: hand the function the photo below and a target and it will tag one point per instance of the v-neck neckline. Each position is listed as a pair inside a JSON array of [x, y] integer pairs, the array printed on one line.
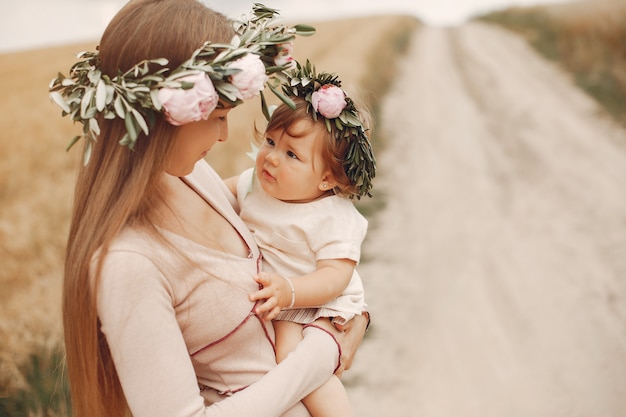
[[207, 190]]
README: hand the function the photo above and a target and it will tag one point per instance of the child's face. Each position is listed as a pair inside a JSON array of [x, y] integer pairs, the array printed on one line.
[[290, 168]]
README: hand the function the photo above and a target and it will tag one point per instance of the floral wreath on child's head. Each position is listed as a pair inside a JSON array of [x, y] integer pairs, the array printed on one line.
[[326, 99], [228, 72]]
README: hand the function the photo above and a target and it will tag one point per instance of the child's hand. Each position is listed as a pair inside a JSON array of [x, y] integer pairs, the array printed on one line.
[[275, 294]]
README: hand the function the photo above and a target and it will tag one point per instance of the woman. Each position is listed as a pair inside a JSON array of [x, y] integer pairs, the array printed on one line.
[[159, 267]]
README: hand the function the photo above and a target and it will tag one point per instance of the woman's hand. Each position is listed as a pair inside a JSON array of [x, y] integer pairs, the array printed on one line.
[[349, 337], [354, 332]]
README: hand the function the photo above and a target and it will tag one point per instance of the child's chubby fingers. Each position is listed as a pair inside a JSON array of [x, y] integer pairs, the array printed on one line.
[[272, 314], [268, 309], [266, 306], [262, 294], [264, 279], [265, 290]]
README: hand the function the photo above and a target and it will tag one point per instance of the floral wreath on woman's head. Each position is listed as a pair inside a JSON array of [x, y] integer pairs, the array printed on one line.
[[228, 72], [326, 99]]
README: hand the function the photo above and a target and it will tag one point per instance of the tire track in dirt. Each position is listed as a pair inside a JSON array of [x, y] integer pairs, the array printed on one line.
[[496, 272]]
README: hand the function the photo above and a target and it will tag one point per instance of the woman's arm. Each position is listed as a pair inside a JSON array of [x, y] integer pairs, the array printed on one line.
[[153, 363], [286, 381]]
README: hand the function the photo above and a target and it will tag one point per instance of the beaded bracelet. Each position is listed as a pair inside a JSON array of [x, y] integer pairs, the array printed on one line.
[[293, 292]]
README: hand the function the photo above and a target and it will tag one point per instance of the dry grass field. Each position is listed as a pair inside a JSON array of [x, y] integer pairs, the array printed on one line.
[[36, 173], [585, 37]]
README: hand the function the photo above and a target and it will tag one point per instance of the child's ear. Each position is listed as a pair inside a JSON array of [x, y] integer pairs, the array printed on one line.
[[327, 183]]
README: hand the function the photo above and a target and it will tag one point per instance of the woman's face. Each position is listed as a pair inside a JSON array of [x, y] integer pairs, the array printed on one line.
[[194, 140], [289, 164]]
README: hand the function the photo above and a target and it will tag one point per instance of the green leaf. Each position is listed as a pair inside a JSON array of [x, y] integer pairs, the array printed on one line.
[[119, 107], [86, 102], [130, 127], [87, 154], [110, 94], [186, 85], [72, 142], [327, 122], [58, 99], [304, 30], [91, 112], [94, 76], [161, 61], [101, 95], [351, 119], [289, 102], [264, 108], [140, 120], [93, 126], [227, 91], [126, 141], [154, 95]]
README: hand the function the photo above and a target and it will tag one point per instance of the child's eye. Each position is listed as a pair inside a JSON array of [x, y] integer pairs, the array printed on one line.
[[292, 155], [269, 141]]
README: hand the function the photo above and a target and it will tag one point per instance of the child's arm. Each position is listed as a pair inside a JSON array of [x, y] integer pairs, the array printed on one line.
[[327, 282], [231, 183]]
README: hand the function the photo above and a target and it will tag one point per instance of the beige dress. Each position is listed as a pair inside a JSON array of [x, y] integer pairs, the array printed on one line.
[[183, 338], [293, 237]]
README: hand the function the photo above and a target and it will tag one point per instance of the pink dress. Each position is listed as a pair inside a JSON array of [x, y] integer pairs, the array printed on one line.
[[185, 341]]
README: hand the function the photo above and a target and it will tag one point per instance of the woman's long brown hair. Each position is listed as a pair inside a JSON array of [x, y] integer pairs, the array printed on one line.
[[118, 187]]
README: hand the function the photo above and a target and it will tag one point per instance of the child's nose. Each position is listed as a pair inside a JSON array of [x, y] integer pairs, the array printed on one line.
[[272, 157]]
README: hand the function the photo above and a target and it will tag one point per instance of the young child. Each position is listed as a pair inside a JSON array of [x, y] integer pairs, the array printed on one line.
[[297, 203]]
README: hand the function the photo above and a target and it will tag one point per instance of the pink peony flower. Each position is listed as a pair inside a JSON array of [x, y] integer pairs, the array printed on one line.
[[329, 101], [250, 81], [185, 106], [284, 57]]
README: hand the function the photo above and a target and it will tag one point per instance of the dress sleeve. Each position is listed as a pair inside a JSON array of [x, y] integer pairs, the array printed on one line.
[[340, 235], [287, 383], [153, 364]]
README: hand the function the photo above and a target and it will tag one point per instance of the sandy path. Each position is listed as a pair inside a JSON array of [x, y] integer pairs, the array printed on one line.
[[497, 272]]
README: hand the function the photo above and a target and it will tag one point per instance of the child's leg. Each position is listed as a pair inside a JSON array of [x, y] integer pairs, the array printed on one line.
[[329, 400], [288, 335]]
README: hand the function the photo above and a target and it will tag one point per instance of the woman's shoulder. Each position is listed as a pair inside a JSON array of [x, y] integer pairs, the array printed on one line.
[[133, 253], [130, 239], [130, 246]]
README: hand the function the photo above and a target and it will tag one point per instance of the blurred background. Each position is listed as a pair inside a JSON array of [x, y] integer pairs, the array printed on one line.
[[37, 23], [481, 275]]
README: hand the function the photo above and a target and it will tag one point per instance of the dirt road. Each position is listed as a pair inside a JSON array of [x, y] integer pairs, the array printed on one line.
[[496, 274]]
